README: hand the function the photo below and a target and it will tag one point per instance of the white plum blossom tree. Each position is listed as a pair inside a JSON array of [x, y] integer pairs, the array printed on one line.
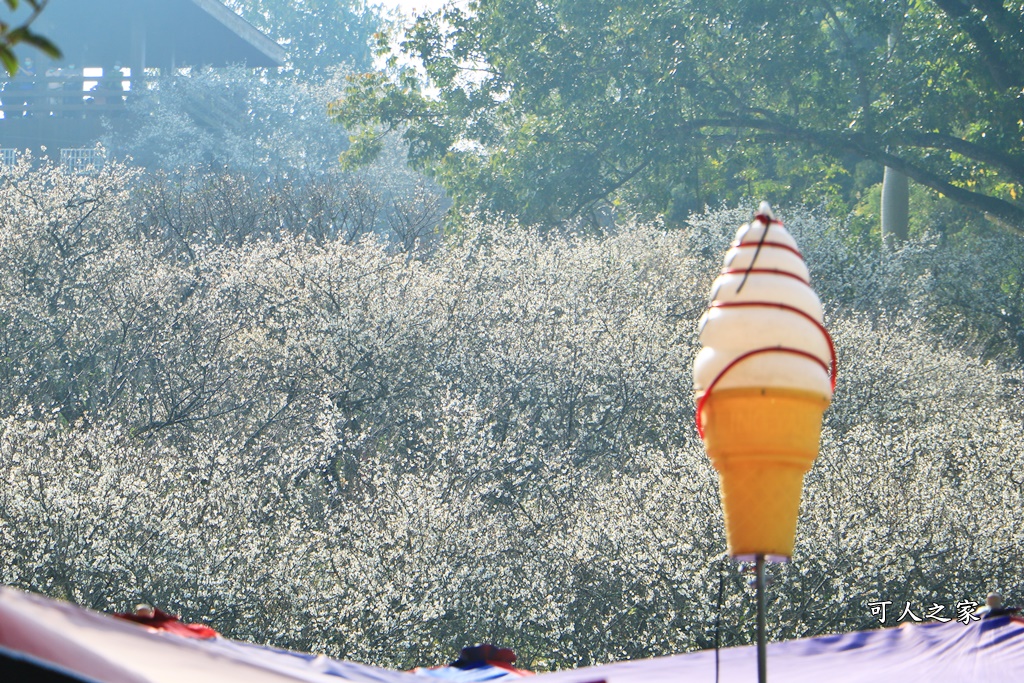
[[345, 447]]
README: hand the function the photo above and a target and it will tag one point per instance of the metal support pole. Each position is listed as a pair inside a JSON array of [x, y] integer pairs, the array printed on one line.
[[762, 658]]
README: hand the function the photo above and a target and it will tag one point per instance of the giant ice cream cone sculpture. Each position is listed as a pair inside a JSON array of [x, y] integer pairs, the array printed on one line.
[[763, 380]]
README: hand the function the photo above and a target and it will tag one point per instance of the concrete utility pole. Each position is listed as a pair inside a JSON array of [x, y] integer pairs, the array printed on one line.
[[895, 208], [895, 193]]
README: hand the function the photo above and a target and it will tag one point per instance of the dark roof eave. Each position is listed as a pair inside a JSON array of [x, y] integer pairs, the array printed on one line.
[[244, 30]]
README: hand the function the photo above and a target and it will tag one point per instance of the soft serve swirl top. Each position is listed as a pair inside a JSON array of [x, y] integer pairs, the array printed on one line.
[[756, 304]]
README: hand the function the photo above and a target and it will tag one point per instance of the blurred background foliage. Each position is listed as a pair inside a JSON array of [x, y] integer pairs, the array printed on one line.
[[558, 110]]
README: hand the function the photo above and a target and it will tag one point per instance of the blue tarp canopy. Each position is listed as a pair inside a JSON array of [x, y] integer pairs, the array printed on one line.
[[88, 646]]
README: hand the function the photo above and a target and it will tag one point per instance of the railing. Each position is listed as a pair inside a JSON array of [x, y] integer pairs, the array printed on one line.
[[73, 160], [84, 160], [61, 96]]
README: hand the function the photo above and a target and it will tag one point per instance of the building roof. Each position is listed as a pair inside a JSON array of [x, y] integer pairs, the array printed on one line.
[[155, 33]]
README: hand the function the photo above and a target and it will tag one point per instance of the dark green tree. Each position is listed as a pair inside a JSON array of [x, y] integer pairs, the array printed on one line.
[[550, 109]]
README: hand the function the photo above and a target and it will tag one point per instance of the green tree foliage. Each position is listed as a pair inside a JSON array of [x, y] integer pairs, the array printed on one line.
[[11, 36], [549, 109], [342, 447], [318, 34]]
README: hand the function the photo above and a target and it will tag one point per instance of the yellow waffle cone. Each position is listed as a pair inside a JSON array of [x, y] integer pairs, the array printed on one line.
[[762, 441]]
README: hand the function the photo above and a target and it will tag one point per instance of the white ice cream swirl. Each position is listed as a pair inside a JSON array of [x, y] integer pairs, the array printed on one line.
[[763, 300]]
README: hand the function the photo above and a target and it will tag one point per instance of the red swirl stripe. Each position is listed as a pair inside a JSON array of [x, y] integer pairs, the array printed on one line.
[[777, 245], [769, 271]]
